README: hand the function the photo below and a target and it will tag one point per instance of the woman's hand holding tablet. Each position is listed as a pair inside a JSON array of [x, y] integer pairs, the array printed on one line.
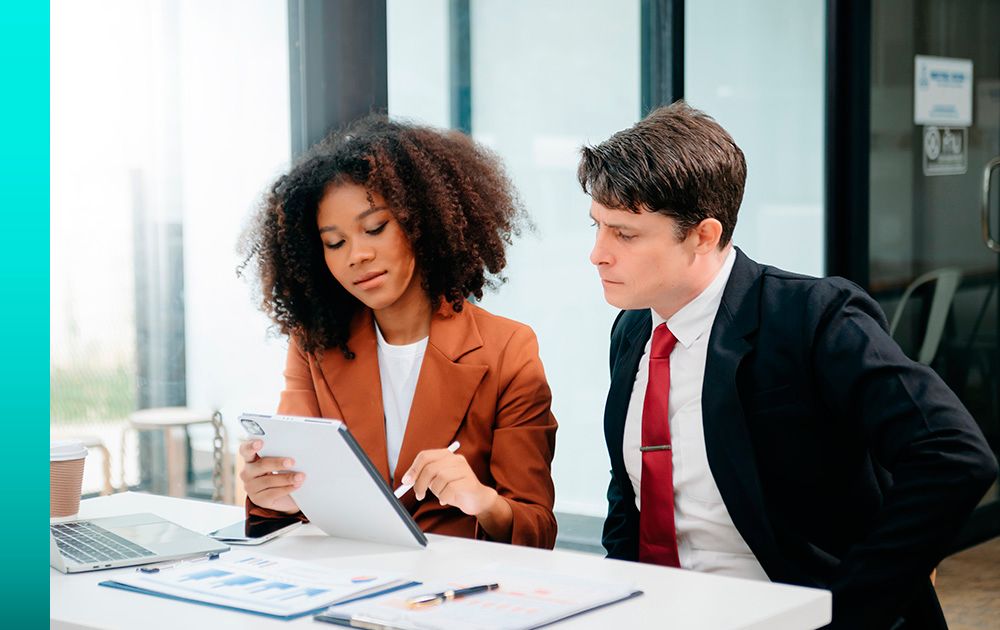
[[269, 481]]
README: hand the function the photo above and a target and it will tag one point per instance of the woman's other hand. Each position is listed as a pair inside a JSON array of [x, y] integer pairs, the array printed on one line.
[[451, 479]]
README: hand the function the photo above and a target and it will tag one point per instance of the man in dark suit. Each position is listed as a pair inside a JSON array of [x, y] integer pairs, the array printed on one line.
[[760, 423]]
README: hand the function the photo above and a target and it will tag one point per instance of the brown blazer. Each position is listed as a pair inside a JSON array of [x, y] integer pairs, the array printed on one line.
[[481, 383]]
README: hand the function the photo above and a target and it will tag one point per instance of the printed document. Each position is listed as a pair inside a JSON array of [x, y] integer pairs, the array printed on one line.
[[525, 599], [257, 583]]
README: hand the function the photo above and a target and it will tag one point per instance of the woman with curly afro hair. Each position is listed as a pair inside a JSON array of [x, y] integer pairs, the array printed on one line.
[[367, 251]]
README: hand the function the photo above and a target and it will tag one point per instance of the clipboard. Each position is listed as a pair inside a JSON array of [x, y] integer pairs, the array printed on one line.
[[344, 494]]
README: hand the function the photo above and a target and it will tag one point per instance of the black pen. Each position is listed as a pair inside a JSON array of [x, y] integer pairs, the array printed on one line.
[[155, 568], [439, 598]]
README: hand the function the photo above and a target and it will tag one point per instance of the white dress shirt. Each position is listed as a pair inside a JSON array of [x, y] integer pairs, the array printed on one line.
[[398, 368], [707, 540]]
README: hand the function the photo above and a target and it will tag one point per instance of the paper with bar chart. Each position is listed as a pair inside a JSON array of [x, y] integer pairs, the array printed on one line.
[[257, 583]]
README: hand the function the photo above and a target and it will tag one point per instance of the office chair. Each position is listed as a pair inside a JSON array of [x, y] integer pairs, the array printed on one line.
[[946, 282]]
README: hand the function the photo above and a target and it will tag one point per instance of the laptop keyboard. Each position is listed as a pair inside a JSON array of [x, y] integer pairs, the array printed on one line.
[[84, 542]]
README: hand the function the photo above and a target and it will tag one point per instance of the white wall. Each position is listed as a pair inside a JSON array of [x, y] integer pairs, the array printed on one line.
[[758, 69]]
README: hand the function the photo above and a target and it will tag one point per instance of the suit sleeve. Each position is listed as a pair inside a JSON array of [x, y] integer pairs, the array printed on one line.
[[916, 429], [299, 396], [620, 537], [297, 399], [524, 439]]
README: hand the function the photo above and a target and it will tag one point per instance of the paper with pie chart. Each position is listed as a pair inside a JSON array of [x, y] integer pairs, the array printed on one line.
[[526, 599]]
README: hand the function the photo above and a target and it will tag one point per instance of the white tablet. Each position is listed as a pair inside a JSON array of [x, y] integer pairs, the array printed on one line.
[[344, 495]]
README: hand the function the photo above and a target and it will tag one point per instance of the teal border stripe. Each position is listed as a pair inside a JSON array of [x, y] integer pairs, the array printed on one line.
[[24, 276]]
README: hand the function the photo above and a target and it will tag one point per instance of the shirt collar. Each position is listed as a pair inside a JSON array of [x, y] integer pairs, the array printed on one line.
[[696, 317]]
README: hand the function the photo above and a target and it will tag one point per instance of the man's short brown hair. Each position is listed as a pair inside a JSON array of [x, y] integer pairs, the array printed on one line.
[[676, 161]]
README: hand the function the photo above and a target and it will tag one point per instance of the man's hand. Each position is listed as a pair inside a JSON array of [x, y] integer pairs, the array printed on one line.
[[267, 479]]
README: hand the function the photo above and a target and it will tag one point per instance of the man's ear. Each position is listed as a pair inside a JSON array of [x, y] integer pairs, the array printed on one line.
[[707, 233]]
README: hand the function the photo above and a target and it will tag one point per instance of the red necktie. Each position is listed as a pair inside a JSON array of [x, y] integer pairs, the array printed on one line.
[[657, 531]]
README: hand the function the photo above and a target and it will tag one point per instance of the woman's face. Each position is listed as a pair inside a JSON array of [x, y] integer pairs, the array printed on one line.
[[365, 248]]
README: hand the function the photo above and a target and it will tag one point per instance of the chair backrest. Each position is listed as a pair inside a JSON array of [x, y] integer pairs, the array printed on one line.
[[947, 280]]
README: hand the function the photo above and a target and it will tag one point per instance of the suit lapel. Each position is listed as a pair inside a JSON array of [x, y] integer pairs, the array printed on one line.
[[637, 331], [727, 440], [445, 387], [357, 389]]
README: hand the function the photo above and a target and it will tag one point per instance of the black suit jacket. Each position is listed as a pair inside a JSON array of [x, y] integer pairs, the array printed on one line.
[[843, 464]]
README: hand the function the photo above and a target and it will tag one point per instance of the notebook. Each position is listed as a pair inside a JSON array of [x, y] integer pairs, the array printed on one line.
[[525, 599], [122, 541]]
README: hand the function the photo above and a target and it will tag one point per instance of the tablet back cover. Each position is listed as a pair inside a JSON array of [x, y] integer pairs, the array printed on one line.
[[343, 494]]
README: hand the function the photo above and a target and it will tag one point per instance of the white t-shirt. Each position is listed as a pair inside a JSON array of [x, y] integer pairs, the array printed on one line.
[[398, 368]]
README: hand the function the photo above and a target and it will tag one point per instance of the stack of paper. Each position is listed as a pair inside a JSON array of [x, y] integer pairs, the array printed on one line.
[[255, 582], [525, 599]]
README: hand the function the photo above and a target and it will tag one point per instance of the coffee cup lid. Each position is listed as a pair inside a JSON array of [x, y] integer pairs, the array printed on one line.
[[63, 450]]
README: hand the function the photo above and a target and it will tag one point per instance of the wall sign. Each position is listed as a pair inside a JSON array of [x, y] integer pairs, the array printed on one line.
[[945, 150], [942, 91]]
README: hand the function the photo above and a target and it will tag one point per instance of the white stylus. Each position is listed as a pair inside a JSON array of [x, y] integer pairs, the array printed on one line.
[[403, 489]]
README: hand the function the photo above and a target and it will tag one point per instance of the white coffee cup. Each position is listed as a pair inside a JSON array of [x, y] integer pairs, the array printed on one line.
[[66, 461]]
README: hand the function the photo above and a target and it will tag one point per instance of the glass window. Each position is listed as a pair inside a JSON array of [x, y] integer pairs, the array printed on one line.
[[929, 266], [544, 79], [759, 69], [168, 118]]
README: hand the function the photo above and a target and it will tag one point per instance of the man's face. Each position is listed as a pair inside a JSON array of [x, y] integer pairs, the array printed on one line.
[[640, 260]]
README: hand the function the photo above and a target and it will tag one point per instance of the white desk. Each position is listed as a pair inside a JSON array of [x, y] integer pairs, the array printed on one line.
[[673, 598]]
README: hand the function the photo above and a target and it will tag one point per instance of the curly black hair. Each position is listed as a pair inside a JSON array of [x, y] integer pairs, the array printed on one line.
[[451, 197]]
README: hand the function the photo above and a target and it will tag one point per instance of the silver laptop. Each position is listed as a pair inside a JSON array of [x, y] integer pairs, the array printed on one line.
[[122, 541]]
